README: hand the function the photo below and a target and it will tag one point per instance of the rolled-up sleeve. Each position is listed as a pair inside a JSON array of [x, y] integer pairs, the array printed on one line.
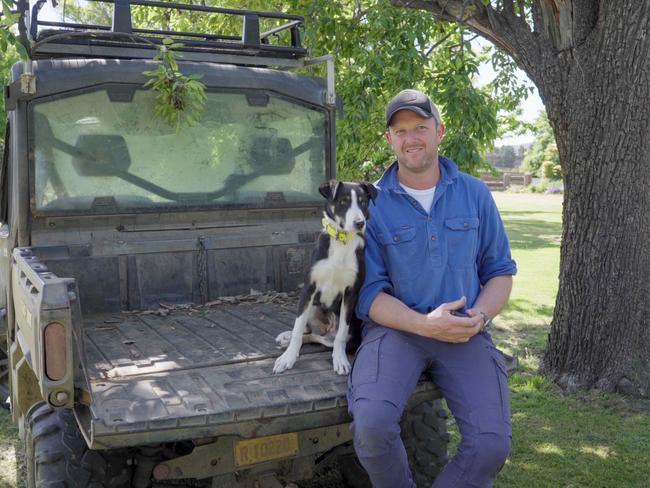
[[376, 278], [493, 257]]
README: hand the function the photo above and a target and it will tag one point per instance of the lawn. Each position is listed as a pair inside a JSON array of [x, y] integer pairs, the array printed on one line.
[[589, 439], [9, 452]]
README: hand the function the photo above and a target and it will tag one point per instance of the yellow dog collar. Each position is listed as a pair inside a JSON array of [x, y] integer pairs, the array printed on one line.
[[339, 235]]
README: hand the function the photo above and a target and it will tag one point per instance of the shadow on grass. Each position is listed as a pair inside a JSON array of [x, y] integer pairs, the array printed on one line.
[[591, 439], [522, 330], [531, 233]]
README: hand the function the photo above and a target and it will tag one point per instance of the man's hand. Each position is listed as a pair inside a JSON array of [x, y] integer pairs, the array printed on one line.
[[473, 312], [441, 325]]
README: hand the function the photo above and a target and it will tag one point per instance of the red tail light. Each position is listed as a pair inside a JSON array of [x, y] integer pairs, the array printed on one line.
[[56, 358]]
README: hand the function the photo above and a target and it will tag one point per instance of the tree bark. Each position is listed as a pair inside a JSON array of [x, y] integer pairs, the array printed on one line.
[[590, 61]]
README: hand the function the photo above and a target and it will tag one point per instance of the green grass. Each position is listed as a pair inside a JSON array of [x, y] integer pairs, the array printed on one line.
[[590, 439], [534, 226], [10, 452]]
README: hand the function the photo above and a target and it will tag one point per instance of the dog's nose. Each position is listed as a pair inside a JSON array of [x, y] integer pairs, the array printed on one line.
[[359, 224]]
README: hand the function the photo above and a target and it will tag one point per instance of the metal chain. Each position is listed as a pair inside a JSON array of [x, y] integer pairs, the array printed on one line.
[[202, 265]]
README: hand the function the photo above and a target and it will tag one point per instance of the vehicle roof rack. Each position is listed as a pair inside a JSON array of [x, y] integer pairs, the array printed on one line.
[[49, 39]]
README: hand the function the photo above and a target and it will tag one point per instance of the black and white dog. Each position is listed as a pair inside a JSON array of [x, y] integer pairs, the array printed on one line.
[[334, 277]]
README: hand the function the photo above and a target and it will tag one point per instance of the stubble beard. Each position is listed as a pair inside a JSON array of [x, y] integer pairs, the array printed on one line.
[[418, 166]]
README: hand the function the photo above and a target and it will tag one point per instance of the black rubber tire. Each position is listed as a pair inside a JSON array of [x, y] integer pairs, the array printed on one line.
[[425, 437], [352, 472], [56, 454]]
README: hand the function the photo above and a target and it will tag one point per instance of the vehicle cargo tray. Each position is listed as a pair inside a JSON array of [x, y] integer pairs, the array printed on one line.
[[184, 372], [200, 366]]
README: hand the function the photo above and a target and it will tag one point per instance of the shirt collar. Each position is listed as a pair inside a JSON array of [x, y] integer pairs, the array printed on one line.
[[389, 180]]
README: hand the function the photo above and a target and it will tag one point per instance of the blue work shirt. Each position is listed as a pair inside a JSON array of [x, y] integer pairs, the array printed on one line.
[[426, 259]]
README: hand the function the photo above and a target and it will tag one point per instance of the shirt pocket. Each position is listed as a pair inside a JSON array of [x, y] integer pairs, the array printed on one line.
[[462, 235], [405, 254]]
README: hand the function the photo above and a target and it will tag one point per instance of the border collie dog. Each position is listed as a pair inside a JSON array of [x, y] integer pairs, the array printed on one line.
[[333, 279]]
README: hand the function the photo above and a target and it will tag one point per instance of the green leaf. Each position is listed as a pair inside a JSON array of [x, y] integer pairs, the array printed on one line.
[[180, 98], [20, 49]]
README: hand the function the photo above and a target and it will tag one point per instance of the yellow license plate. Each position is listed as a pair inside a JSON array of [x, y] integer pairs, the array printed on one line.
[[253, 451]]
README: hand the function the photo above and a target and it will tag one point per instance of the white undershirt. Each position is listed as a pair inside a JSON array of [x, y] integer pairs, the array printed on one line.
[[424, 197]]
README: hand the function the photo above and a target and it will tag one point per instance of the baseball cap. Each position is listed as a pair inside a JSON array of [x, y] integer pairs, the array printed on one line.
[[412, 100]]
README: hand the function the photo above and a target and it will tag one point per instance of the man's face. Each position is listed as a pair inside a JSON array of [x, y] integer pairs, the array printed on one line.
[[414, 140]]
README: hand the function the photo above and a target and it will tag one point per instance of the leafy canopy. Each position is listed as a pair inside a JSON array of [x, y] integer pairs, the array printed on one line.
[[7, 59], [8, 38], [379, 50]]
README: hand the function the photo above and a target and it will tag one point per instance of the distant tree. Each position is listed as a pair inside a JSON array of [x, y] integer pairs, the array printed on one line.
[[543, 148], [502, 157], [521, 150]]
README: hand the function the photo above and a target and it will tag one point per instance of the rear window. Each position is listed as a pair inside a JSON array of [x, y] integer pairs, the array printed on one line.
[[103, 151]]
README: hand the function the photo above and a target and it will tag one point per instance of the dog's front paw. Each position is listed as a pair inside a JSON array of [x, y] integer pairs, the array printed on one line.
[[284, 362], [341, 363], [283, 339]]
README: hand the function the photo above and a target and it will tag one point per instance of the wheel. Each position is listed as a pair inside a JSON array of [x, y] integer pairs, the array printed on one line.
[[424, 433], [353, 473], [425, 436], [57, 454]]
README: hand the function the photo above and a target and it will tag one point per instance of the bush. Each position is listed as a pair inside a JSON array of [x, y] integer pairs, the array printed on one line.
[[548, 186], [548, 169]]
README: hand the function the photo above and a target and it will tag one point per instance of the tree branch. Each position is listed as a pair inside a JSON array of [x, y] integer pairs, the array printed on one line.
[[557, 19], [503, 28], [441, 41]]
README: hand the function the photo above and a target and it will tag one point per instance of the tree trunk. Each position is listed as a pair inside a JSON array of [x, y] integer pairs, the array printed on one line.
[[590, 61], [597, 102]]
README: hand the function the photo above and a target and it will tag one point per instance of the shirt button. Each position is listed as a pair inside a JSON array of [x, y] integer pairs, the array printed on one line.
[[466, 225], [433, 238], [396, 238]]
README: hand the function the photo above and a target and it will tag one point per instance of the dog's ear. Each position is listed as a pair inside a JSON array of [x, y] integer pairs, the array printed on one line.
[[329, 189], [370, 190]]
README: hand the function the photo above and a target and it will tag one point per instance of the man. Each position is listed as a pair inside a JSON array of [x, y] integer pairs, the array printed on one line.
[[436, 244]]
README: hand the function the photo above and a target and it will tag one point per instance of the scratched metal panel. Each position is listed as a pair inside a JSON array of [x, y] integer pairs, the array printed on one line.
[[237, 271], [291, 263], [98, 281], [162, 277]]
